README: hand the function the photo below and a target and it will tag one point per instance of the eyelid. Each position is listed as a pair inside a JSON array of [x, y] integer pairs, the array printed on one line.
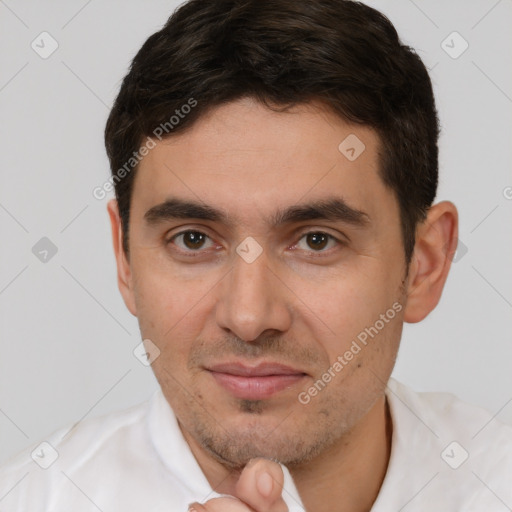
[[170, 239], [339, 242], [339, 236], [182, 230]]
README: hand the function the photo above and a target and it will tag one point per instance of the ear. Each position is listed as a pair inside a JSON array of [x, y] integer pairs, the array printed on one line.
[[124, 274], [436, 243]]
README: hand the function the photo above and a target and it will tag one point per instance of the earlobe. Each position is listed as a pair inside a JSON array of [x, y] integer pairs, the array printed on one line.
[[436, 243], [124, 275]]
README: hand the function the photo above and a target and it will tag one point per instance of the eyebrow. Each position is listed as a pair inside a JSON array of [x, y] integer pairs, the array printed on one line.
[[330, 209]]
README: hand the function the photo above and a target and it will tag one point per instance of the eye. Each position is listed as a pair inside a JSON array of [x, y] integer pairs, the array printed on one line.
[[192, 241], [317, 241]]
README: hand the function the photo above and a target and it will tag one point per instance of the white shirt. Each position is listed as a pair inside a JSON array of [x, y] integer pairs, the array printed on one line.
[[445, 456]]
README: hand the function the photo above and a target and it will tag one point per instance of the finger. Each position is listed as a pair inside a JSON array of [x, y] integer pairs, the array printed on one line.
[[196, 507], [261, 485], [226, 504]]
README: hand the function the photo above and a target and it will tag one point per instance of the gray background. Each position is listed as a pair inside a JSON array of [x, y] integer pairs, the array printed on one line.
[[66, 337]]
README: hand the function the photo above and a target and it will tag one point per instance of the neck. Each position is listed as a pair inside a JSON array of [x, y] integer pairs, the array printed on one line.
[[346, 477]]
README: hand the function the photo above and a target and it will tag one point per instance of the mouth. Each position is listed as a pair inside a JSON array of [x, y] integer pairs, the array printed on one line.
[[255, 382]]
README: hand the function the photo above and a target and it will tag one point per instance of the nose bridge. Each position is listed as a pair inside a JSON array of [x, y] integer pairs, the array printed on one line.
[[252, 301]]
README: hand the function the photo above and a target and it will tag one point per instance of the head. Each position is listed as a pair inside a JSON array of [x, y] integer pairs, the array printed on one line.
[[275, 166]]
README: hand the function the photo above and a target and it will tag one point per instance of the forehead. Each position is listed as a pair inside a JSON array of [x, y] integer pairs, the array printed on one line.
[[244, 157]]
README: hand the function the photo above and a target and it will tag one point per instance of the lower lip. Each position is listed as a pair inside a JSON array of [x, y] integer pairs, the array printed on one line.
[[256, 388]]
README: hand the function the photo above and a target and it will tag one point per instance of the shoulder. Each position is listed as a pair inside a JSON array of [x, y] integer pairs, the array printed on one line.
[[446, 414], [438, 405], [461, 453], [39, 469]]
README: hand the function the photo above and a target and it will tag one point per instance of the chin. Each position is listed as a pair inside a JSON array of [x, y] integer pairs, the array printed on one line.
[[233, 445]]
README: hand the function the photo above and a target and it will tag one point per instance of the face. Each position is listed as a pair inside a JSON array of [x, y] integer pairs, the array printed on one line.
[[268, 269]]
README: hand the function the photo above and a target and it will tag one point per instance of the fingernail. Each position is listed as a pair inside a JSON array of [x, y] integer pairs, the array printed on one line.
[[191, 508], [228, 496], [265, 483]]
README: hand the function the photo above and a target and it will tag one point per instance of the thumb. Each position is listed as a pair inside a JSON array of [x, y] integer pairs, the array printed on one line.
[[261, 485]]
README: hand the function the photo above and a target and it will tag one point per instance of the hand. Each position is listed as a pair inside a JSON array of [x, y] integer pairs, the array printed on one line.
[[258, 489]]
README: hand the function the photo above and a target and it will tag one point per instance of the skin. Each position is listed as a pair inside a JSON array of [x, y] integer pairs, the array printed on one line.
[[258, 488], [299, 303]]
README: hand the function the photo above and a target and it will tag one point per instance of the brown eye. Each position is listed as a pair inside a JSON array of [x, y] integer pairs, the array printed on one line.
[[317, 241], [191, 240], [194, 239]]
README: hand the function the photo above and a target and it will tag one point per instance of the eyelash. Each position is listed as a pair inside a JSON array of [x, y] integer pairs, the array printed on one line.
[[192, 253]]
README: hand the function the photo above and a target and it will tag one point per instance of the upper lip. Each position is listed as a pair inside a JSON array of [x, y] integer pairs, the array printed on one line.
[[263, 369]]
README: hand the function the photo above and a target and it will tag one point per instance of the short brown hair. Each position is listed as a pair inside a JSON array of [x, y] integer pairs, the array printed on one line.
[[284, 53]]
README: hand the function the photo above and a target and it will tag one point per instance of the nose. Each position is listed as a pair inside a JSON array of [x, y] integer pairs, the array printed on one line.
[[252, 300]]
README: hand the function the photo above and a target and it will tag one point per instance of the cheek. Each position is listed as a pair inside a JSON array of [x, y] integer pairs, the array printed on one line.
[[164, 292], [346, 306], [169, 309]]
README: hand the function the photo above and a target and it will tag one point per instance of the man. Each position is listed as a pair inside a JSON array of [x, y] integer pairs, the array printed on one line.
[[275, 167]]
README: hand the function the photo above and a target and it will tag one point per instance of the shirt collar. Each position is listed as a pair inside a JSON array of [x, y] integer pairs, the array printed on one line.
[[175, 454]]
